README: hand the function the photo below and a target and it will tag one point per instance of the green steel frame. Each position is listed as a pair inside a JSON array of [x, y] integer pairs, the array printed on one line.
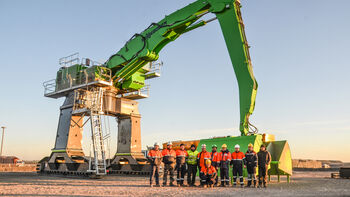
[[127, 64]]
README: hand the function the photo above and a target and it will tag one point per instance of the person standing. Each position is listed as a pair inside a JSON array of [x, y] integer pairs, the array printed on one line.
[[181, 156], [208, 174], [169, 156], [224, 159], [251, 162], [215, 161], [237, 165], [202, 158], [264, 160], [155, 158], [192, 165]]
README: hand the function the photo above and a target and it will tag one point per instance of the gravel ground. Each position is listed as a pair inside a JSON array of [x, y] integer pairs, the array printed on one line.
[[31, 184]]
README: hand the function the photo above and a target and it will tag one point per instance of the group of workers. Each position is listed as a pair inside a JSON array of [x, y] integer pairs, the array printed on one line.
[[208, 164]]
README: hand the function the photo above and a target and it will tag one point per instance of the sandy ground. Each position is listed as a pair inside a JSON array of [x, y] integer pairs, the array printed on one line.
[[31, 184]]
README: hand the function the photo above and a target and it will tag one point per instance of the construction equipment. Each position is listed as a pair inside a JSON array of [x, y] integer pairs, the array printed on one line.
[[122, 78]]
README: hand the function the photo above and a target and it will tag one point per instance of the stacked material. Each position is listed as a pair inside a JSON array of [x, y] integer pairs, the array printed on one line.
[[306, 163]]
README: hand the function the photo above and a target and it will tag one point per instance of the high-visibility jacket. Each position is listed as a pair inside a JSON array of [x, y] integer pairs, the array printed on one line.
[[251, 159], [224, 158], [181, 156], [208, 171], [214, 158], [155, 156], [202, 157], [192, 157], [237, 158], [169, 156]]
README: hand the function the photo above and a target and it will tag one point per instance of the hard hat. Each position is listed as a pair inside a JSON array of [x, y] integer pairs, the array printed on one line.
[[204, 146], [237, 146], [214, 145], [208, 161], [156, 144], [169, 143], [250, 145], [224, 146]]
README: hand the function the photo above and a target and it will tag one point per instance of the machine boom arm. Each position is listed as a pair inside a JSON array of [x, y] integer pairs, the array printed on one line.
[[144, 47]]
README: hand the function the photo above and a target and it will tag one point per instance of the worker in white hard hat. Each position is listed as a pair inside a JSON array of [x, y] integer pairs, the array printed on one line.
[[155, 158], [237, 165], [169, 157], [202, 157]]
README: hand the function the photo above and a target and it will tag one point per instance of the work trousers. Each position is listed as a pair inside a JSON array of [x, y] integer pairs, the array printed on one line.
[[154, 174], [251, 169], [181, 171], [206, 179], [263, 174], [217, 177], [191, 174], [224, 176], [237, 170], [168, 169]]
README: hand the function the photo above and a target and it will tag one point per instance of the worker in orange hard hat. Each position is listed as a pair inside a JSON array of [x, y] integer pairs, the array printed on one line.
[[237, 165], [224, 158], [181, 156], [155, 158], [208, 174], [202, 157], [251, 162], [169, 156]]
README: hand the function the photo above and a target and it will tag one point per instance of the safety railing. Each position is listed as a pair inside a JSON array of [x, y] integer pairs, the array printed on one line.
[[154, 69], [69, 60], [85, 77], [49, 86], [138, 94]]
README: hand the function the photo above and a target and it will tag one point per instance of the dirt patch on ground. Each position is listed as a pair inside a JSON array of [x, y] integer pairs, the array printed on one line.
[[31, 184]]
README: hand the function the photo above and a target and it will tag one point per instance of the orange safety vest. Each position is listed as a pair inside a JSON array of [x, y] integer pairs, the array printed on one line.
[[224, 156], [181, 153], [214, 157], [169, 156], [203, 156], [208, 171], [238, 156], [155, 156]]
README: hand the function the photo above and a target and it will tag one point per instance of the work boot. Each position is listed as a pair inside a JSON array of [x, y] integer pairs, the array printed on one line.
[[171, 185], [164, 184], [254, 183], [151, 185], [157, 185], [242, 185]]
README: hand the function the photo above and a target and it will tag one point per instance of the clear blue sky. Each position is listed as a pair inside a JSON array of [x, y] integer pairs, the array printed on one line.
[[299, 49]]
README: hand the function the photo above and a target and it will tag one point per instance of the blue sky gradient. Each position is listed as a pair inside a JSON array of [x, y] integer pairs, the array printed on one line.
[[299, 52]]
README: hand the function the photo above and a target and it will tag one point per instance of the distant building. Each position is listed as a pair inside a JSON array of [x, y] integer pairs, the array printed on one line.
[[8, 160]]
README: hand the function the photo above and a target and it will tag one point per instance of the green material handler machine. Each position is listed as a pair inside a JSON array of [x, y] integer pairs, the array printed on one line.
[[93, 89]]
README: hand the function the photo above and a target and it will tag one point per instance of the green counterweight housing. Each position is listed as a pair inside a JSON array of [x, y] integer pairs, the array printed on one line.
[[281, 163], [127, 64]]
